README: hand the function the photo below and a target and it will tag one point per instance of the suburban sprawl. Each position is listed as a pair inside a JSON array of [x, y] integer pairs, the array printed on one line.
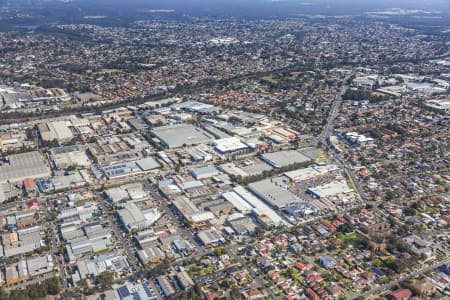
[[222, 158]]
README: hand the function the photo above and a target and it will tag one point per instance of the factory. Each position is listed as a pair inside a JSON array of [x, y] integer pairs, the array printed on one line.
[[179, 135], [134, 218], [26, 269], [230, 145], [63, 157], [274, 192], [25, 165], [120, 170], [134, 291], [284, 159], [305, 174], [124, 193], [191, 213], [246, 168], [205, 172], [330, 189], [61, 182], [196, 107], [210, 237], [58, 130], [246, 202]]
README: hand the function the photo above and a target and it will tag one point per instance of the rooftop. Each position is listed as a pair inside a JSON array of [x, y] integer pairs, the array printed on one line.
[[174, 136], [284, 158]]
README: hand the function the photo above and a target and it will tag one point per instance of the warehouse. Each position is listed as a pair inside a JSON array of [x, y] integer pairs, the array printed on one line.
[[309, 173], [134, 218], [134, 291], [239, 204], [22, 166], [330, 189], [283, 159], [230, 145], [205, 172], [147, 164], [130, 168], [179, 135], [58, 130], [246, 168], [165, 285], [243, 225], [274, 192], [210, 237], [66, 156], [191, 212], [150, 255], [264, 213]]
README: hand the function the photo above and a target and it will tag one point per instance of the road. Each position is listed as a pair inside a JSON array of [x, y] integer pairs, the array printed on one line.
[[334, 111], [57, 258], [125, 242], [397, 281], [118, 233]]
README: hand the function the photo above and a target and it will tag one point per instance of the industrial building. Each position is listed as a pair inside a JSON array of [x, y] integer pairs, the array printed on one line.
[[131, 168], [132, 191], [300, 210], [191, 212], [22, 166], [179, 135], [195, 106], [246, 168], [205, 172], [230, 145], [262, 211], [134, 218], [134, 291], [309, 173], [274, 191], [165, 285], [283, 159], [330, 189], [239, 204], [61, 183], [150, 255], [86, 239], [210, 237], [242, 225], [63, 157], [58, 130]]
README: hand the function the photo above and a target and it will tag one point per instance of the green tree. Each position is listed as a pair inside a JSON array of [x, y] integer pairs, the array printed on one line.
[[218, 251], [105, 280]]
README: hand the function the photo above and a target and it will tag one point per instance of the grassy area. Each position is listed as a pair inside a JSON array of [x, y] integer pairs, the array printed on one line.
[[269, 79], [346, 237]]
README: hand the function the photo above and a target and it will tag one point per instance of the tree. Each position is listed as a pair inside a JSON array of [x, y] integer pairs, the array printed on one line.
[[3, 293], [105, 280], [218, 251], [346, 228], [409, 211], [235, 293], [53, 286]]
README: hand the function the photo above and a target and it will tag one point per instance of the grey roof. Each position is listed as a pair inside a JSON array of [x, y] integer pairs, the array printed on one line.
[[273, 192], [137, 123], [205, 171], [147, 164], [24, 165], [174, 136], [284, 158]]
